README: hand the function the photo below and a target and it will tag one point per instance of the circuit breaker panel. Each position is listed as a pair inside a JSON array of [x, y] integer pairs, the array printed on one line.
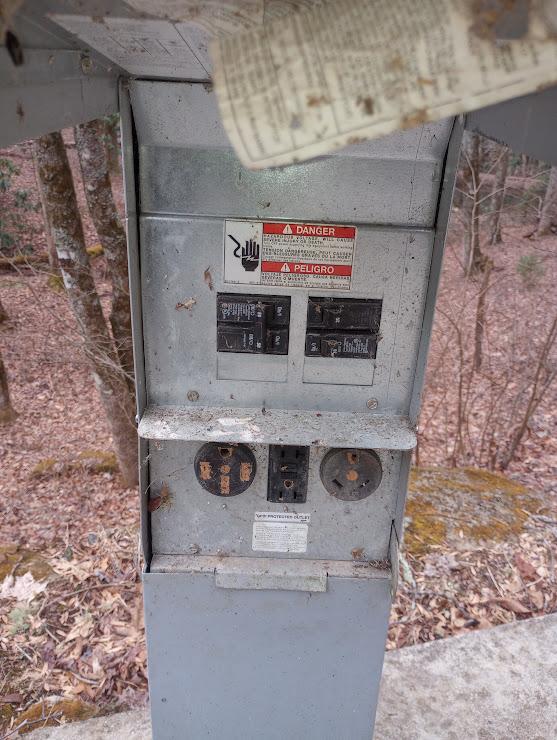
[[282, 320]]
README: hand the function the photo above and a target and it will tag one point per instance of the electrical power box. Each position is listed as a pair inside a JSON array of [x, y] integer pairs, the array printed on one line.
[[282, 320]]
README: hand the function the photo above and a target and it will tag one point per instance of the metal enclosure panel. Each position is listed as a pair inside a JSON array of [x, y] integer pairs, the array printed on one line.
[[51, 91], [526, 124], [270, 665], [178, 254], [278, 426], [215, 525], [190, 169]]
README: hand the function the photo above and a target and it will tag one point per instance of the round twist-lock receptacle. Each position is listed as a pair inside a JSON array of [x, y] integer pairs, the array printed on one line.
[[225, 469], [351, 474]]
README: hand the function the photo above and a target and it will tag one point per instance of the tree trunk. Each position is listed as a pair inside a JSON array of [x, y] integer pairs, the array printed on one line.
[[96, 181], [112, 142], [479, 328], [50, 247], [473, 258], [56, 180], [7, 413], [498, 197], [548, 217], [3, 313]]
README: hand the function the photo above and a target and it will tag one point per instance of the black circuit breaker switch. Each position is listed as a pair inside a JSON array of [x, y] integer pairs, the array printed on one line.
[[342, 328], [256, 324]]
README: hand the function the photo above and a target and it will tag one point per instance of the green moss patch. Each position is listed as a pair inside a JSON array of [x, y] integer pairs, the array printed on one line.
[[463, 507], [17, 561], [45, 714], [92, 461]]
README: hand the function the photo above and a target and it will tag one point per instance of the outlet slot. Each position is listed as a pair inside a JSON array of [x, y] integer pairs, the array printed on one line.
[[288, 474]]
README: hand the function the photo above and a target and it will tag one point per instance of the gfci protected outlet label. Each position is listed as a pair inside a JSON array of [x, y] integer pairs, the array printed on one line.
[[289, 255], [276, 531]]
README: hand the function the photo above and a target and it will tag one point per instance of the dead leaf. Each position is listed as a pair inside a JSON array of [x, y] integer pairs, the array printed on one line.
[[513, 605], [526, 569]]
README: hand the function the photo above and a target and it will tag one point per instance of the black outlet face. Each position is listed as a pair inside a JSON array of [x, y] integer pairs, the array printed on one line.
[[343, 327], [255, 324], [224, 469], [288, 474], [351, 475]]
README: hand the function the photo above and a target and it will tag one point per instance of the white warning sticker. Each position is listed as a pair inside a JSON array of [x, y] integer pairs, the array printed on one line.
[[289, 255], [275, 531]]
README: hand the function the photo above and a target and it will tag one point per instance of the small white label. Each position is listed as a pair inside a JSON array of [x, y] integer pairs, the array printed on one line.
[[280, 532], [289, 255]]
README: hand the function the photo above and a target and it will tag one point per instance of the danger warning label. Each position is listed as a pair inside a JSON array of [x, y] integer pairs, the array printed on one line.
[[289, 255]]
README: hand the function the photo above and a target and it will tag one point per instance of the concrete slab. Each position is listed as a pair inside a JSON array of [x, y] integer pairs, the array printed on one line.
[[497, 684]]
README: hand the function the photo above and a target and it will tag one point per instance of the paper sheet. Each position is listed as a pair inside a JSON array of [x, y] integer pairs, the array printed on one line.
[[307, 83]]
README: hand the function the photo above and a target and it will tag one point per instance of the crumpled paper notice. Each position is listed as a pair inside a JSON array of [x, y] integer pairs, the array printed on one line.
[[306, 83]]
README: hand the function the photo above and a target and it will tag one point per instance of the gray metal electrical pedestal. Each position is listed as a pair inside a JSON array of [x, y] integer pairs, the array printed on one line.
[[282, 321], [281, 324]]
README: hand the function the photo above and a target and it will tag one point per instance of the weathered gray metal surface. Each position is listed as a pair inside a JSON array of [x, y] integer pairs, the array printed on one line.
[[526, 124], [182, 259], [134, 276], [189, 183], [491, 684], [442, 221], [52, 90], [194, 518], [193, 171], [266, 573], [277, 426], [239, 664]]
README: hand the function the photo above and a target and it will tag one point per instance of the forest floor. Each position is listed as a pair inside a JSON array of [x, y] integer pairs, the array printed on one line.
[[71, 629]]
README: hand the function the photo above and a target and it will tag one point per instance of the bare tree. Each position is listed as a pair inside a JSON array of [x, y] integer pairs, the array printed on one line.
[[111, 126], [498, 196], [50, 247], [7, 413], [56, 180], [545, 374], [96, 180], [480, 322], [473, 257], [548, 216]]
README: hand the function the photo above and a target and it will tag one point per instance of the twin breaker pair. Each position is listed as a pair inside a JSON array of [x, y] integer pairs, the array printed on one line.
[[281, 323]]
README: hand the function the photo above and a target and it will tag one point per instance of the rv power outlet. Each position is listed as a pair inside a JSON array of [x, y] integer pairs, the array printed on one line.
[[351, 475]]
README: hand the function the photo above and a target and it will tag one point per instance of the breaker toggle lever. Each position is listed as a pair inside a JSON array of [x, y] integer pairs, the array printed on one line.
[[256, 324]]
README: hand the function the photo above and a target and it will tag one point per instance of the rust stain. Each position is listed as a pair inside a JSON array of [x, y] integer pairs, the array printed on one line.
[[205, 470], [225, 485], [245, 471], [417, 117], [356, 140], [367, 104], [397, 63], [208, 278], [314, 100], [357, 553]]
